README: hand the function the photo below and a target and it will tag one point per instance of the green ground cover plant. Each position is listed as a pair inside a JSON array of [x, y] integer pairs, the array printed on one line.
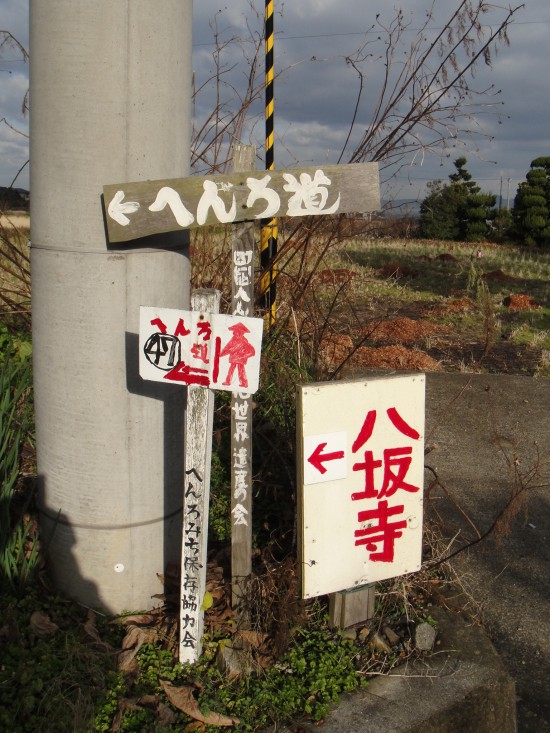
[[17, 562], [317, 668], [52, 676]]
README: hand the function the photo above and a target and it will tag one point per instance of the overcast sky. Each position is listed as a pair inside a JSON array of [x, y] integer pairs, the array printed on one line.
[[316, 90]]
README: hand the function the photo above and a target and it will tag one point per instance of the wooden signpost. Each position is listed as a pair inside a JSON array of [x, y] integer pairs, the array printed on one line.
[[206, 350], [199, 415], [135, 210], [242, 303]]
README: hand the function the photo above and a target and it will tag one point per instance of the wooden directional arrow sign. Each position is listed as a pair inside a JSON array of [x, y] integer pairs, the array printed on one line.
[[135, 210]]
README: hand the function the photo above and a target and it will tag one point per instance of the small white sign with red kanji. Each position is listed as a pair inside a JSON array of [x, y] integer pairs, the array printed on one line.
[[209, 349], [361, 477]]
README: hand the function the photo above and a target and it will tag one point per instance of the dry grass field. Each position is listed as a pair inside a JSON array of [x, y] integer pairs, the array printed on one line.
[[15, 221], [411, 304]]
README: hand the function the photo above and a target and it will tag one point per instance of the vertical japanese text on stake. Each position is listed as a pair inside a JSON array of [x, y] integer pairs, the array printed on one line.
[[243, 277], [241, 405], [241, 457], [192, 527]]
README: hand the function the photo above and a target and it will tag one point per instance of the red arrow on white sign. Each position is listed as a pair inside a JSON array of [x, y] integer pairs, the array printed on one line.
[[324, 457], [318, 458]]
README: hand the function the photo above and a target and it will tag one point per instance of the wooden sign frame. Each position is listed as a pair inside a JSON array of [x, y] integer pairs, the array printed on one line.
[[135, 210]]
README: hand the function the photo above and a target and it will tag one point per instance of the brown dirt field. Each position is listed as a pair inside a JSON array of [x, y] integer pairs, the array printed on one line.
[[335, 276], [457, 305], [386, 333], [520, 303], [394, 357], [395, 270], [499, 275], [403, 331], [337, 348]]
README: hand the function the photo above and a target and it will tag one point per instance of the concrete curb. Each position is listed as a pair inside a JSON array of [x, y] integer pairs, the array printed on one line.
[[462, 687]]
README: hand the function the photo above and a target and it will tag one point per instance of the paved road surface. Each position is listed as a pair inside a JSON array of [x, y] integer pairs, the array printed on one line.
[[489, 433]]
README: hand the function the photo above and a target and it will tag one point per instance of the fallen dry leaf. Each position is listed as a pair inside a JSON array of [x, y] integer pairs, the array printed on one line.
[[254, 638], [93, 634], [182, 699], [137, 636], [134, 639], [127, 662], [42, 625], [195, 727], [165, 716], [148, 701]]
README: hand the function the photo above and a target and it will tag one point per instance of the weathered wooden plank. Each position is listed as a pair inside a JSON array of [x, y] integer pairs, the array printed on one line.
[[347, 608], [242, 304], [198, 455], [134, 210]]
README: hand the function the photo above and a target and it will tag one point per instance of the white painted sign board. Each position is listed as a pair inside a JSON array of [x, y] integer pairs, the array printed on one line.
[[361, 472], [207, 349]]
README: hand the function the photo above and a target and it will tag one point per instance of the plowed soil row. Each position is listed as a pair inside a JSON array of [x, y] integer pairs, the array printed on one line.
[[414, 336]]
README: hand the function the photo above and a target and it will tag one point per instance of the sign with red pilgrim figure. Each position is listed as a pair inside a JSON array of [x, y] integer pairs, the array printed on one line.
[[207, 349], [361, 469]]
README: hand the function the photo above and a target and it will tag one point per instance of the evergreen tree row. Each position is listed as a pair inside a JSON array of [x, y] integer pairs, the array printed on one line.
[[460, 211]]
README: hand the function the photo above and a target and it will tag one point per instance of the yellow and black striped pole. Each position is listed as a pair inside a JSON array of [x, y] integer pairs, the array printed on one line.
[[268, 251]]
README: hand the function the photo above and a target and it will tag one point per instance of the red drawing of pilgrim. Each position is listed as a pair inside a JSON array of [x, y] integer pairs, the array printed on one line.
[[239, 350]]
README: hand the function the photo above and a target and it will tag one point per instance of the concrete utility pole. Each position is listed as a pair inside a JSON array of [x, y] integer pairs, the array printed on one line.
[[111, 96]]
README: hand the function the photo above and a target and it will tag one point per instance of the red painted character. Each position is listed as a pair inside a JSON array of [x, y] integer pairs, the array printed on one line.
[[384, 532], [239, 350]]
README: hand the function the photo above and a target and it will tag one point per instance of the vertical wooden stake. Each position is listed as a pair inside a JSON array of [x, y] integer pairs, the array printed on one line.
[[242, 304], [350, 607], [198, 455]]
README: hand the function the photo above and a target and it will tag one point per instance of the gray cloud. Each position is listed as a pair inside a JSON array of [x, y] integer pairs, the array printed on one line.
[[13, 87], [315, 98]]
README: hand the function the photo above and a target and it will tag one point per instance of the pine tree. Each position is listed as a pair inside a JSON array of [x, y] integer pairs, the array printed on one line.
[[531, 211], [457, 211], [439, 212], [463, 177]]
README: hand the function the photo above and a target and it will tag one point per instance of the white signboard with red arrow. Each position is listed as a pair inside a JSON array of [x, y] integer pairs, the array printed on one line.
[[208, 349], [361, 469]]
